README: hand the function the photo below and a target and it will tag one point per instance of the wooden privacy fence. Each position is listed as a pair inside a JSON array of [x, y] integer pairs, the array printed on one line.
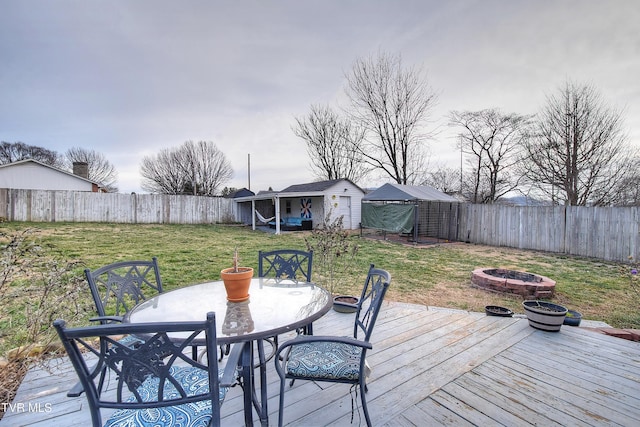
[[77, 206], [608, 233]]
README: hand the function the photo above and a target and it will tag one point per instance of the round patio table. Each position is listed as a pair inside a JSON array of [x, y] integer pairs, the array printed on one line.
[[275, 306]]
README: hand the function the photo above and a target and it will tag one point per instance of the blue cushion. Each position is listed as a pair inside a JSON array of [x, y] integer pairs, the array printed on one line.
[[325, 359], [130, 341], [293, 221], [194, 381]]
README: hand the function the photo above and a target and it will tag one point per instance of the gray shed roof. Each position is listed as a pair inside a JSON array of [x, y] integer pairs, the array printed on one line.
[[397, 192], [314, 186], [298, 190]]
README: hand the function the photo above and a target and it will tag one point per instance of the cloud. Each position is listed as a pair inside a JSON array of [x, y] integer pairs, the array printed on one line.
[[130, 78]]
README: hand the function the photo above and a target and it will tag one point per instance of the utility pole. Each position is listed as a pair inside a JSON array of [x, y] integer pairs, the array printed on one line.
[[461, 165]]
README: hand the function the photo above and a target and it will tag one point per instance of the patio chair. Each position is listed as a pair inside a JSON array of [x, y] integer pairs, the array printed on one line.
[[117, 288], [291, 264], [336, 359], [285, 264], [153, 383]]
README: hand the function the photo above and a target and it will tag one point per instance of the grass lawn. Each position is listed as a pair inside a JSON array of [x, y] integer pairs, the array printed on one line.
[[437, 275]]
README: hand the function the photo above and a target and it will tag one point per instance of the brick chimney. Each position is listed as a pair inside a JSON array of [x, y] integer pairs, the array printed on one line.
[[81, 169]]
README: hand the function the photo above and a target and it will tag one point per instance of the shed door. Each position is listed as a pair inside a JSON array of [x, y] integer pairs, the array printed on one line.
[[344, 209]]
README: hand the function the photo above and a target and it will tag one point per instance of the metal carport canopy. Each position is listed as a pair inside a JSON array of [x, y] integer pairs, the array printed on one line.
[[397, 192]]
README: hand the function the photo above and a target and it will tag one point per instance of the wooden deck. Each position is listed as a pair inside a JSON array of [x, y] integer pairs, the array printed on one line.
[[429, 367]]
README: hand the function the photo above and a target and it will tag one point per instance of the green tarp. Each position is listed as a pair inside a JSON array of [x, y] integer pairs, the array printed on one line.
[[392, 217]]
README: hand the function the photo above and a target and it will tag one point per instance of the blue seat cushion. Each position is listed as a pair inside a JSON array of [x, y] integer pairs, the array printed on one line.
[[130, 341], [194, 381], [325, 360]]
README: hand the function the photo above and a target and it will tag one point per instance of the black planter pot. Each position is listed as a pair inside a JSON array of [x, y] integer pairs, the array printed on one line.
[[572, 318], [345, 304], [494, 310]]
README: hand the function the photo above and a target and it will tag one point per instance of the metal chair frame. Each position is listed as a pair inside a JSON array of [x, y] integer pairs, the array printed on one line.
[[369, 305], [118, 287], [125, 377], [292, 264]]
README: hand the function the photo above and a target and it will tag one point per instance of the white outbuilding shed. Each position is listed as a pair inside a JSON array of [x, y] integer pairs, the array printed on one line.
[[303, 206]]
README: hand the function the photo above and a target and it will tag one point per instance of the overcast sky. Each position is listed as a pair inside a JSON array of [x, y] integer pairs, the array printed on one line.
[[129, 78]]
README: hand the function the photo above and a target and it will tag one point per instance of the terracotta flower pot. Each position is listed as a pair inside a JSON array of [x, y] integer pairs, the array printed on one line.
[[237, 283], [237, 319]]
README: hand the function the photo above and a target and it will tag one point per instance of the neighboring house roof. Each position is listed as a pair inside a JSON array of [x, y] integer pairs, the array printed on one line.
[[35, 163], [397, 192], [243, 192]]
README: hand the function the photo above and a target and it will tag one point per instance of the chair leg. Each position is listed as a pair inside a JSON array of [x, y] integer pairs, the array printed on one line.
[[224, 351], [247, 381], [281, 405], [363, 389]]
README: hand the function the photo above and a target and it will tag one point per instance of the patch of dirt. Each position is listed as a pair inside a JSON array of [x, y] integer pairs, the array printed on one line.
[[458, 296], [506, 255]]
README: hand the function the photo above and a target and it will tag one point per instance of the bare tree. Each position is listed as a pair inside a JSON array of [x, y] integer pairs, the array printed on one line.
[[492, 142], [627, 192], [162, 174], [444, 178], [579, 153], [207, 167], [331, 144], [13, 152], [99, 168], [392, 104], [193, 168]]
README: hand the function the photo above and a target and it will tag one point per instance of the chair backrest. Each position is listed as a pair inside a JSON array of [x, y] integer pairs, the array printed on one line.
[[117, 288], [285, 264], [373, 292], [156, 373]]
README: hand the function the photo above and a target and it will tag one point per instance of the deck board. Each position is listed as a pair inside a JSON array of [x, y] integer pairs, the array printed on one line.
[[429, 367]]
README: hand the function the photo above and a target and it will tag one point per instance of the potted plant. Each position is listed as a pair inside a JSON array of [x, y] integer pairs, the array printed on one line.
[[572, 318], [334, 256], [237, 280], [545, 315]]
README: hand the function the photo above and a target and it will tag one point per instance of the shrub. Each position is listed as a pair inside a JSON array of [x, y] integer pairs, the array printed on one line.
[[42, 288], [334, 254]]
